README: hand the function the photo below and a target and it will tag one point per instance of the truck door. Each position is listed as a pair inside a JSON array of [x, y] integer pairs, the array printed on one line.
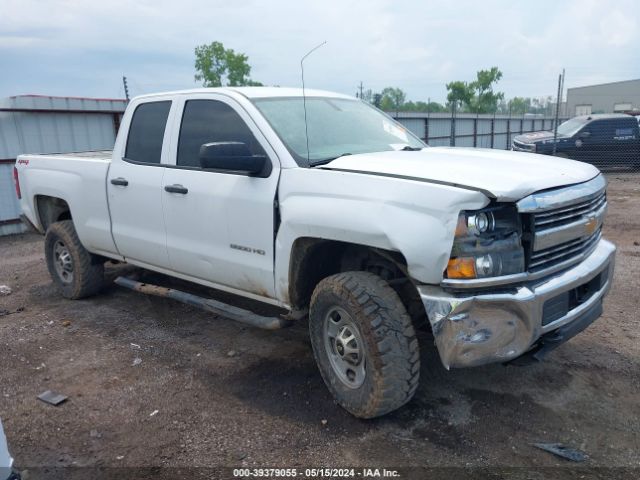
[[134, 186], [589, 143], [607, 144], [625, 142], [219, 224]]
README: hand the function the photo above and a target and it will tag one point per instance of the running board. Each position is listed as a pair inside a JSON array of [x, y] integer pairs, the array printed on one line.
[[234, 313]]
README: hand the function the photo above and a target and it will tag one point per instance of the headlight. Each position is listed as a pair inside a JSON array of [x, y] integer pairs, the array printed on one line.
[[480, 222], [487, 244]]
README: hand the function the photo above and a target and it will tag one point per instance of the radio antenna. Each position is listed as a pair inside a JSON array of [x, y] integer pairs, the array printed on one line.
[[304, 98]]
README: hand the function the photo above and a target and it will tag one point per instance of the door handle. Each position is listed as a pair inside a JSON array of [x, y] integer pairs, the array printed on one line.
[[122, 182], [176, 188]]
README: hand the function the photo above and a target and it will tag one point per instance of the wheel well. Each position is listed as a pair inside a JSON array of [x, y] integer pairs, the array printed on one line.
[[314, 259], [51, 209]]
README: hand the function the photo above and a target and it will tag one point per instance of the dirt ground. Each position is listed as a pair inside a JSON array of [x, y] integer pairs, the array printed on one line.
[[154, 383]]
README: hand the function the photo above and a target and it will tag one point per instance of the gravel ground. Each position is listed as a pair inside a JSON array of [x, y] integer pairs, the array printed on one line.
[[154, 383]]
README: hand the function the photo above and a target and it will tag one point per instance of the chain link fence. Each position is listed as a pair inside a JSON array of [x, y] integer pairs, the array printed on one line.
[[611, 142]]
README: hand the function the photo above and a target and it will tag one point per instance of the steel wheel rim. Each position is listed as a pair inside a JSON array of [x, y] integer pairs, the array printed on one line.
[[63, 262], [345, 348]]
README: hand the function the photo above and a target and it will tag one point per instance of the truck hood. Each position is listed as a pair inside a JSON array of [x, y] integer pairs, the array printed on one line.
[[534, 137], [500, 174]]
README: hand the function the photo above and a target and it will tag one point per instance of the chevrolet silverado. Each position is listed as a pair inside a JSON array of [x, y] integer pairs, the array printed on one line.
[[324, 206]]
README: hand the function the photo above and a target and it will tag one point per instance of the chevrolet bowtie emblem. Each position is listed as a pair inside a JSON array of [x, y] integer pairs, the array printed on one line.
[[591, 225]]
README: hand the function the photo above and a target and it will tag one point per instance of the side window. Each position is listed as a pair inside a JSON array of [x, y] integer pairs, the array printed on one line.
[[604, 131], [208, 121], [596, 129], [625, 130], [144, 142]]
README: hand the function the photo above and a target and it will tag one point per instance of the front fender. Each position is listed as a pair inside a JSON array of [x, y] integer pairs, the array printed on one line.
[[413, 217]]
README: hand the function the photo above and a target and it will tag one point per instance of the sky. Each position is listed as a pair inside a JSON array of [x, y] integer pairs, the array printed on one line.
[[83, 48]]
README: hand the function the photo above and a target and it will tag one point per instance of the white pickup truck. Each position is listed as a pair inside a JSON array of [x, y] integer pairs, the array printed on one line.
[[324, 205]]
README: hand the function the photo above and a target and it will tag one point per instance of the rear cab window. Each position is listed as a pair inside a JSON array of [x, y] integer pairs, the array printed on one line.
[[146, 132], [626, 129]]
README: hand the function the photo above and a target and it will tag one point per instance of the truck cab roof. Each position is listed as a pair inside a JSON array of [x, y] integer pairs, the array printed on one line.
[[602, 116], [253, 92]]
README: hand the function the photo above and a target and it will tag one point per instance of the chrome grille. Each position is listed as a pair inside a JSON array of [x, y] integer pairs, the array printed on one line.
[[566, 215], [565, 252], [525, 147], [562, 226]]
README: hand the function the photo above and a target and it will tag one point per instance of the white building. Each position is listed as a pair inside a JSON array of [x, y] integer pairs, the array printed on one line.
[[604, 98]]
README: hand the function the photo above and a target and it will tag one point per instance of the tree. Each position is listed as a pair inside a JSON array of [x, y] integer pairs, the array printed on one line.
[[459, 93], [216, 65], [543, 105], [519, 105], [367, 95], [522, 105], [392, 99], [420, 106], [486, 100], [434, 107], [477, 96]]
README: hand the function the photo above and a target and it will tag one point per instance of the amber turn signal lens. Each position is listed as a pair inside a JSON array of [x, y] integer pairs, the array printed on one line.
[[461, 226], [461, 267]]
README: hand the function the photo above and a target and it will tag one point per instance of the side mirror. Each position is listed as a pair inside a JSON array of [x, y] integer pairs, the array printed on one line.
[[231, 156], [585, 134]]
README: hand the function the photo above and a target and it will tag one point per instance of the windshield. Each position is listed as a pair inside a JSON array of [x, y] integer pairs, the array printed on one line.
[[571, 127], [336, 127]]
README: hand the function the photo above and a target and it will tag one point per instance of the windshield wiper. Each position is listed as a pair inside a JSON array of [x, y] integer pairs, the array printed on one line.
[[324, 161], [409, 148]]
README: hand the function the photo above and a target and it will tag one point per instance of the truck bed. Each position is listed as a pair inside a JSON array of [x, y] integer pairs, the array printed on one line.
[[77, 178], [89, 155]]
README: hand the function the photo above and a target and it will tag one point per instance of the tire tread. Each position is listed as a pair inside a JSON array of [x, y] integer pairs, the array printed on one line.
[[397, 358], [87, 271]]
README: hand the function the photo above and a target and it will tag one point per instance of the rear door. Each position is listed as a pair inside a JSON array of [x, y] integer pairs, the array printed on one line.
[[219, 224], [610, 143], [625, 142], [134, 186]]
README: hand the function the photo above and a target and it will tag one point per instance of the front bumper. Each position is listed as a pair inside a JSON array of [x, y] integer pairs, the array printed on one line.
[[524, 147], [475, 329]]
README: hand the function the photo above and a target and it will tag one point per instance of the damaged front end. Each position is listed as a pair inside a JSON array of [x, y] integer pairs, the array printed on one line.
[[487, 244], [474, 330], [501, 325], [522, 278]]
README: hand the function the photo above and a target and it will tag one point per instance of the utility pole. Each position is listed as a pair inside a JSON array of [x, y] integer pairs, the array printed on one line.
[[555, 123], [126, 88], [361, 87], [452, 134], [562, 89]]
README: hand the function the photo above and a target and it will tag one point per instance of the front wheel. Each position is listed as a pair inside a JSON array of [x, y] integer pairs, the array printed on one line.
[[75, 272], [364, 343]]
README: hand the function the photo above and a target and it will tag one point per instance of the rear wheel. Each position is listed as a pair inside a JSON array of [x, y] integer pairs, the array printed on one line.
[[364, 343], [75, 272]]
